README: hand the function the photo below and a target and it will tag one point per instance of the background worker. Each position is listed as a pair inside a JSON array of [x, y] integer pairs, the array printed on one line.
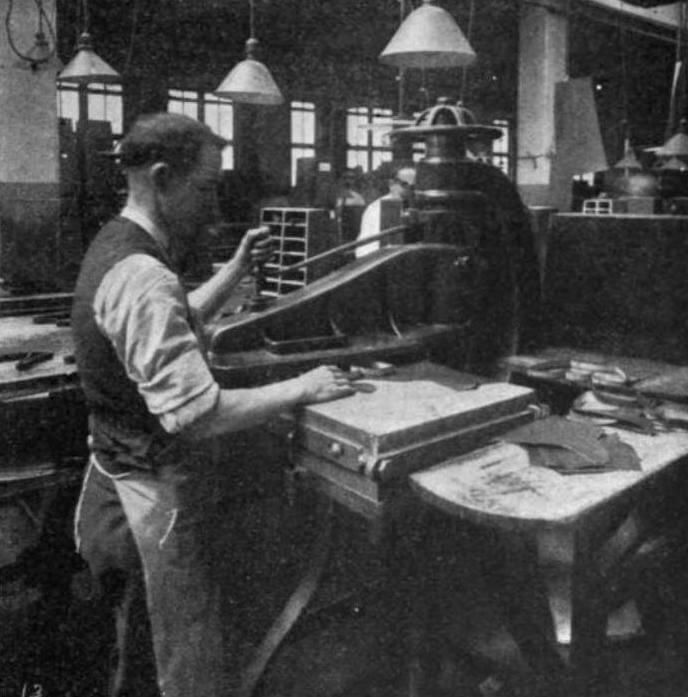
[[349, 205], [142, 521], [375, 218]]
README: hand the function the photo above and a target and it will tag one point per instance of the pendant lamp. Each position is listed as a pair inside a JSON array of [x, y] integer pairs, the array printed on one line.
[[250, 81], [675, 165], [87, 66], [629, 160], [677, 144], [428, 38]]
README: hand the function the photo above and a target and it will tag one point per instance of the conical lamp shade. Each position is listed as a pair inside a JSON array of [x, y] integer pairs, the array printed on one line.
[[428, 38], [629, 160], [676, 145], [250, 81], [675, 164], [87, 66]]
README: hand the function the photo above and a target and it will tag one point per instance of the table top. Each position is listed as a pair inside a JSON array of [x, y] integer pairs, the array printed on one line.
[[19, 334], [497, 485]]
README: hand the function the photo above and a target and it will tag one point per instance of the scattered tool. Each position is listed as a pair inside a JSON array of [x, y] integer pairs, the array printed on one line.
[[24, 360]]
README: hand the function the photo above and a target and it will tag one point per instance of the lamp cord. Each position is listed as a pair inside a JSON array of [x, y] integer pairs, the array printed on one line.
[[132, 35], [251, 20], [469, 33], [42, 17]]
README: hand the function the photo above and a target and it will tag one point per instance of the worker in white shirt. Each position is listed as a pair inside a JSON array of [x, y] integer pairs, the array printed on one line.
[[374, 220]]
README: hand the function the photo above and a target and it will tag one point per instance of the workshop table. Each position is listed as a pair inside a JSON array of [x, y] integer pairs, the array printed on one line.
[[497, 487]]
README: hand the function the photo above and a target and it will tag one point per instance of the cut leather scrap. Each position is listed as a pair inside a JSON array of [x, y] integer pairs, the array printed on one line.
[[580, 438], [570, 447]]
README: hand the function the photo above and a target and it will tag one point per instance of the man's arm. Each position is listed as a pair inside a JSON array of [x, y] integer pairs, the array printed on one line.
[[243, 408], [209, 298], [140, 307]]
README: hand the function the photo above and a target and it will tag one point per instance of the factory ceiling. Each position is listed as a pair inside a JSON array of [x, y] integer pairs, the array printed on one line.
[[327, 50], [315, 48]]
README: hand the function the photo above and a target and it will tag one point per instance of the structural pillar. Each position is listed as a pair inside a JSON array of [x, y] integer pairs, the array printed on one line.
[[543, 58], [29, 154]]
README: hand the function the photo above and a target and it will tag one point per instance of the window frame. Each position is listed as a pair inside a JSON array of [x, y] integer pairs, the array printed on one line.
[[305, 112]]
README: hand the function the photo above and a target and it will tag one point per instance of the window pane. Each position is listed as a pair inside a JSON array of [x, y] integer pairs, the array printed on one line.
[[228, 157], [225, 126], [113, 110], [96, 106], [211, 115], [68, 103], [219, 115], [357, 158], [297, 153], [302, 123], [380, 118], [380, 156], [501, 144], [183, 102], [356, 122]]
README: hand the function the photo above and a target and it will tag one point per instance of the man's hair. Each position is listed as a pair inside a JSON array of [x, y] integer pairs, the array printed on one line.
[[408, 169], [174, 139]]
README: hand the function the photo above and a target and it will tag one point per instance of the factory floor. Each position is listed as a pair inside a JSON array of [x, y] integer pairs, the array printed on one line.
[[353, 642]]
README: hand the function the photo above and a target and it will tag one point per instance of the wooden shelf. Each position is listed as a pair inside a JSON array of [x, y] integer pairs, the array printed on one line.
[[298, 234]]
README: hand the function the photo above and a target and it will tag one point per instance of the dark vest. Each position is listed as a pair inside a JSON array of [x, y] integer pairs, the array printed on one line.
[[124, 432]]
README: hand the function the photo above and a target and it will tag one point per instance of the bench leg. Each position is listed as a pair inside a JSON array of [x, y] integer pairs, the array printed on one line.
[[588, 618]]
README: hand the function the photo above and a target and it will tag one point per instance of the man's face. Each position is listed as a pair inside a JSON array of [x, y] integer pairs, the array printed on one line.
[[190, 203], [401, 186]]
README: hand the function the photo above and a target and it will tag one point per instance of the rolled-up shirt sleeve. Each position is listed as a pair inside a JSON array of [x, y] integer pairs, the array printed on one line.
[[141, 307]]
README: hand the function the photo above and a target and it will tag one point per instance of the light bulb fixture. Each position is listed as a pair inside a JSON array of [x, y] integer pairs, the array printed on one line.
[[428, 38], [250, 81], [87, 66]]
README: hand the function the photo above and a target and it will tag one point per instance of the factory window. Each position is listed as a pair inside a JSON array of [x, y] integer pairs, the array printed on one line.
[[302, 134], [214, 111], [103, 103], [183, 102], [501, 150], [367, 139], [218, 113]]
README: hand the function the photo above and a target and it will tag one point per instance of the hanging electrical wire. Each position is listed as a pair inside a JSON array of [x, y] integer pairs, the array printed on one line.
[[132, 35], [42, 50], [678, 79], [469, 36]]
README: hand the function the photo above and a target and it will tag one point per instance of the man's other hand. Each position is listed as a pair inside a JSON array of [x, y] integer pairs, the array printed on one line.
[[255, 248], [324, 384]]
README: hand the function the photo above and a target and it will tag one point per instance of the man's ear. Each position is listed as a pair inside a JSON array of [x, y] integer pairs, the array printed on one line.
[[161, 175]]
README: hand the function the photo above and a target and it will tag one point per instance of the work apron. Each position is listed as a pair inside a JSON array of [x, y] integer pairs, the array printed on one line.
[[168, 513]]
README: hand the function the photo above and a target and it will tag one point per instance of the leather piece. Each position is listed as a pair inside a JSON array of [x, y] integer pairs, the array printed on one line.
[[571, 447], [577, 437]]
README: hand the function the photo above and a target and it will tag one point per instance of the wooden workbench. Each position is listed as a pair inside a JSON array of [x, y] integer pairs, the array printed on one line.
[[497, 487]]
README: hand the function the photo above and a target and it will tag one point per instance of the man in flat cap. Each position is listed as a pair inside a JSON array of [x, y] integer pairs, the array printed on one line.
[[153, 404]]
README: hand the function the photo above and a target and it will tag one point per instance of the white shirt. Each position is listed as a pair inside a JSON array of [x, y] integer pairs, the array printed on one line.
[[370, 225], [141, 307]]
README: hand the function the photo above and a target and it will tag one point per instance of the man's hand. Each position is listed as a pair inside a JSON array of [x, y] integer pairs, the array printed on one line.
[[324, 384], [255, 248]]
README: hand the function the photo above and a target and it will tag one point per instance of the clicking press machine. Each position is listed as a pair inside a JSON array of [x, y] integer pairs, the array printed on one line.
[[423, 323], [459, 292]]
